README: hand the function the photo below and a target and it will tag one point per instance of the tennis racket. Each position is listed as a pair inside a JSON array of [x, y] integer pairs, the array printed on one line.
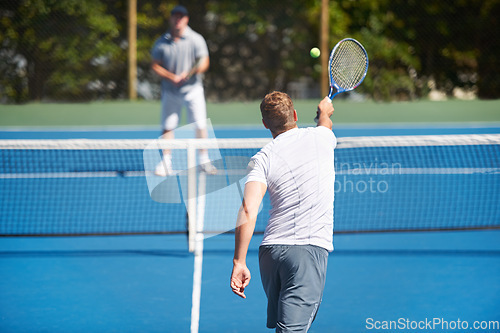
[[193, 69], [347, 67]]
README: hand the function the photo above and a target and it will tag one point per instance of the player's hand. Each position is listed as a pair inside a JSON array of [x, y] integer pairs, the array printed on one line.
[[183, 78], [178, 80], [240, 278], [325, 107]]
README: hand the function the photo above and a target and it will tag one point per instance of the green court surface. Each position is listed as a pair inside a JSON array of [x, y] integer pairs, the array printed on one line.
[[147, 113]]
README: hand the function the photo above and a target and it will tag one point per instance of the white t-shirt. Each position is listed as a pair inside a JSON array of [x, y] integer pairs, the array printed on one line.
[[298, 169]]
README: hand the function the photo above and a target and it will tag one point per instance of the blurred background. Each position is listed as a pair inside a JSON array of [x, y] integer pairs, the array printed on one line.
[[74, 51]]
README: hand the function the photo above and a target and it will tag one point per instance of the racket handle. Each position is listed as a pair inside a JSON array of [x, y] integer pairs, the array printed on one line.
[[316, 119]]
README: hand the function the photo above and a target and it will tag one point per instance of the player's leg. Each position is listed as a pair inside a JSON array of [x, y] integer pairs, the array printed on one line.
[[268, 265], [170, 115], [303, 272], [197, 115]]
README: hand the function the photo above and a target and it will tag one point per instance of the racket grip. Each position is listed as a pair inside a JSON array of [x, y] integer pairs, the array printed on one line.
[[316, 119]]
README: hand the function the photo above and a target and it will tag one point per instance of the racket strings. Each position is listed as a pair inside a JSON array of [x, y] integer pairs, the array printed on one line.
[[348, 65]]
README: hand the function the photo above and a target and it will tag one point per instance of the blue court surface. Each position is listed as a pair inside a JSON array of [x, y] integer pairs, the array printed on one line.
[[376, 282]]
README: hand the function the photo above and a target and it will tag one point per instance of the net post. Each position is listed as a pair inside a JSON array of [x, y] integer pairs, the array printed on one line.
[[191, 201]]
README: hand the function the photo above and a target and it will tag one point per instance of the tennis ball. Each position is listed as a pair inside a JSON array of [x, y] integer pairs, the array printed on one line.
[[315, 52]]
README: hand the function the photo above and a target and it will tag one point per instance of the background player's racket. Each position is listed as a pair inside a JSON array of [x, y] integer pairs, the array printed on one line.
[[193, 69], [347, 67]]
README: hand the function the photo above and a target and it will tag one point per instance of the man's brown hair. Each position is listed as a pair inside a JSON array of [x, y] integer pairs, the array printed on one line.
[[277, 112]]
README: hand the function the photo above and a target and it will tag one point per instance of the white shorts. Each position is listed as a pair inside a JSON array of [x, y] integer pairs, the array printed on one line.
[[172, 103]]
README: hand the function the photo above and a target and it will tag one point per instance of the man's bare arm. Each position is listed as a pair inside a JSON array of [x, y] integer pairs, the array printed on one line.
[[204, 65], [247, 215], [165, 74], [325, 111]]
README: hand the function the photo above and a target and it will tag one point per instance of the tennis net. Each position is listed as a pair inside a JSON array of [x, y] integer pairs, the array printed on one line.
[[101, 187]]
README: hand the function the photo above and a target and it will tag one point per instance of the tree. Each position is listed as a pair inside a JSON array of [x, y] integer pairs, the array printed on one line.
[[489, 45], [55, 48], [76, 50]]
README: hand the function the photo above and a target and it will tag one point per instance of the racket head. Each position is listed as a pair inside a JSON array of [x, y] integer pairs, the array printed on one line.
[[347, 66]]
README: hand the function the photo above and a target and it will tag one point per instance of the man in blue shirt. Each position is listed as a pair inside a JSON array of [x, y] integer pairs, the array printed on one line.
[[180, 56]]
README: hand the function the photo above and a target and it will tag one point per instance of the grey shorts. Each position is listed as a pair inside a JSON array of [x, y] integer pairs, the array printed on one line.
[[293, 277]]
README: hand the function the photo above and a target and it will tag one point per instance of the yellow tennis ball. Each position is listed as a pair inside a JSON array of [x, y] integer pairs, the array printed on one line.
[[315, 52]]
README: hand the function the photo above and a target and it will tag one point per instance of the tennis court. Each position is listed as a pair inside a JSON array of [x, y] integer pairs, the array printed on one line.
[[92, 239], [144, 283]]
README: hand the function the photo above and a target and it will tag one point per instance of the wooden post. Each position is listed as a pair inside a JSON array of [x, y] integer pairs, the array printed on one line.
[[132, 49], [325, 51]]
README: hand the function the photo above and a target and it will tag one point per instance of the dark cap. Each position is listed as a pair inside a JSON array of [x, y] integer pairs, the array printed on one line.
[[179, 10]]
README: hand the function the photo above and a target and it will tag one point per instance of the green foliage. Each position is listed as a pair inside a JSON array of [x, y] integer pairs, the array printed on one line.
[[77, 50], [60, 42], [257, 46]]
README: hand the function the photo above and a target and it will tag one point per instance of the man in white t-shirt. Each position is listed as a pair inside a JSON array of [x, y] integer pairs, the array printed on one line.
[[297, 168]]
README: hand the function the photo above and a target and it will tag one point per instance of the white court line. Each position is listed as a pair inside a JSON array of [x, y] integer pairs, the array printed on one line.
[[395, 171], [198, 254], [351, 171], [96, 174]]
